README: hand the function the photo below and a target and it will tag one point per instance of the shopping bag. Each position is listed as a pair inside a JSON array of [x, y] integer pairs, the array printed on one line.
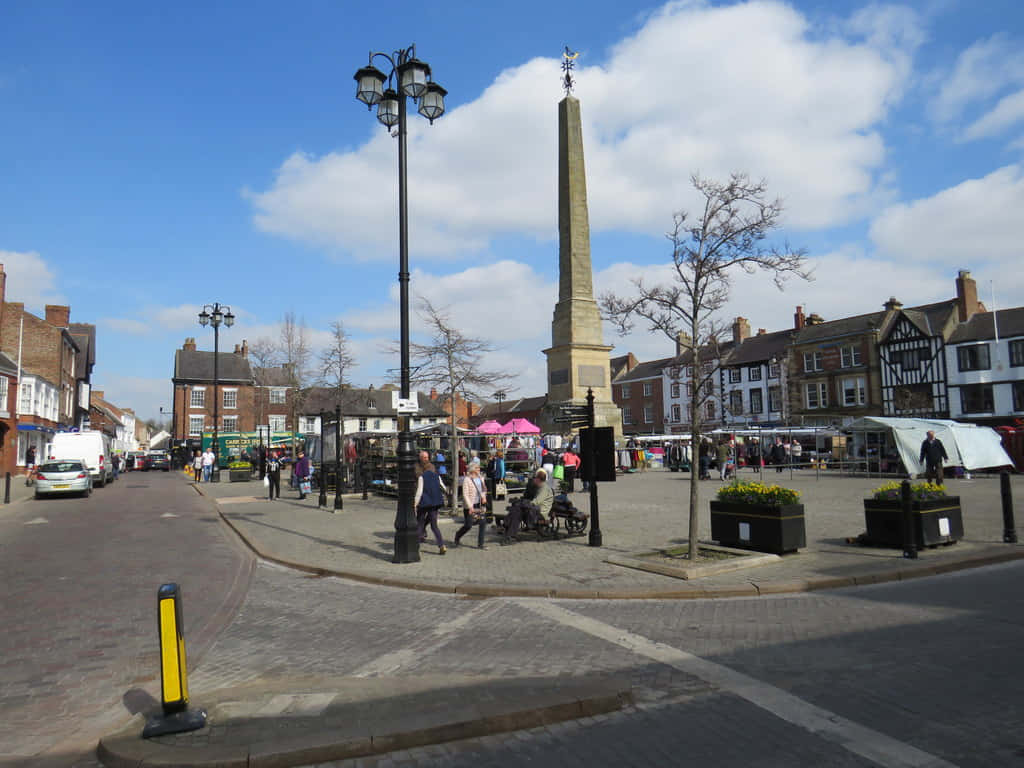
[[559, 472], [304, 486], [500, 490], [266, 481]]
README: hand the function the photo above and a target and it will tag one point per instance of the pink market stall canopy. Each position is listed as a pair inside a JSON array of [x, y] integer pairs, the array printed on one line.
[[490, 427], [520, 427]]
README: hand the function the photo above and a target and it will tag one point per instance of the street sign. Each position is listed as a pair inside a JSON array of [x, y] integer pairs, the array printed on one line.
[[573, 409], [410, 405], [575, 421]]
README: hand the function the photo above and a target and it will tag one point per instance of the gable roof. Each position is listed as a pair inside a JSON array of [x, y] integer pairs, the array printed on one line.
[[356, 402], [648, 370], [85, 336], [756, 349], [929, 319], [271, 377], [196, 365], [980, 326], [844, 326]]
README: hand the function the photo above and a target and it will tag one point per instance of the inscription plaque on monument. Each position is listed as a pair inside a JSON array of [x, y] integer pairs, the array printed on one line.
[[589, 376], [561, 376]]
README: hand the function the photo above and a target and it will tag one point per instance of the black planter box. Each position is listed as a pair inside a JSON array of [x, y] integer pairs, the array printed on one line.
[[239, 475], [884, 521], [775, 528]]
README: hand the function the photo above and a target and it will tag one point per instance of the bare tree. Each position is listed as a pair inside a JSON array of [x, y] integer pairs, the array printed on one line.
[[336, 360], [453, 364], [296, 359], [264, 353], [731, 233]]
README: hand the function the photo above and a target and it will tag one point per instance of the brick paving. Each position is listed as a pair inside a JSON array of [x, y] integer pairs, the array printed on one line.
[[927, 662], [639, 512], [79, 604]]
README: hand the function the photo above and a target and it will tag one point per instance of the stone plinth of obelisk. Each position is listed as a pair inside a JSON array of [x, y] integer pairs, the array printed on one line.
[[578, 358]]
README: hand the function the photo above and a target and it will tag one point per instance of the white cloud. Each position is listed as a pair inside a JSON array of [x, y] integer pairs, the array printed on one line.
[[1008, 112], [126, 325], [145, 396], [30, 280], [697, 88], [973, 225], [981, 71]]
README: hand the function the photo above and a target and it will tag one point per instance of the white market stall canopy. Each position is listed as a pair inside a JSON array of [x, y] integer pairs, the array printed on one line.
[[968, 445]]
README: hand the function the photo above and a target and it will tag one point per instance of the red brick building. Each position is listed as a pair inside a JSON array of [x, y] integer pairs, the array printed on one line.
[[8, 420], [248, 396], [639, 393]]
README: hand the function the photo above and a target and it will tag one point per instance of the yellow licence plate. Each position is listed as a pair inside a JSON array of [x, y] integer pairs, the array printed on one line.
[[62, 485]]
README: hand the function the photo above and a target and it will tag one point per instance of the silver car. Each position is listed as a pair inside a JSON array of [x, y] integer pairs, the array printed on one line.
[[63, 476]]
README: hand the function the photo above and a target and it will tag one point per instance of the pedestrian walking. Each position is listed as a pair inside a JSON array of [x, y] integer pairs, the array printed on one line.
[[796, 453], [302, 472], [273, 476], [474, 499], [495, 475], [933, 453], [429, 499], [30, 464], [722, 454], [197, 466], [778, 454], [208, 459], [572, 465]]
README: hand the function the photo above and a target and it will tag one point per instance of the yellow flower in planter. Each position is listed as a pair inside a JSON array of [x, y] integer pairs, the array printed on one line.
[[757, 493]]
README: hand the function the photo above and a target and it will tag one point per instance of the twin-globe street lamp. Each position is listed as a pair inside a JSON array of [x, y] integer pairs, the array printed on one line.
[[215, 314], [414, 82]]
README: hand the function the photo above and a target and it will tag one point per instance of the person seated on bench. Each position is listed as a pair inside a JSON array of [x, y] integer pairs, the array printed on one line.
[[535, 506]]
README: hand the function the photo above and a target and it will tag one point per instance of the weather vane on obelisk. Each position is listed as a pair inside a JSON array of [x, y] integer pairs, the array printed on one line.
[[568, 62]]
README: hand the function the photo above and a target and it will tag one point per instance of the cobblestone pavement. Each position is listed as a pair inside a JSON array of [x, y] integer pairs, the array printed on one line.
[[914, 673], [638, 512], [78, 648]]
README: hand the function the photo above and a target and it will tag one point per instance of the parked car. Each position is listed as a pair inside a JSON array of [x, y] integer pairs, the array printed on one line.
[[63, 476], [159, 460], [89, 446], [142, 462], [130, 460]]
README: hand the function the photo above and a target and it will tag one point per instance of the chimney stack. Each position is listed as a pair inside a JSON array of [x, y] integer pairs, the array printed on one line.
[[966, 295], [245, 348], [433, 393], [798, 318], [683, 343], [58, 315], [761, 331], [893, 304], [238, 349], [190, 344], [740, 330]]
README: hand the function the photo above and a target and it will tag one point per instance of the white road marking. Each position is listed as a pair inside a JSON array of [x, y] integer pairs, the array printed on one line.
[[168, 514], [287, 704], [438, 637], [37, 521], [861, 740]]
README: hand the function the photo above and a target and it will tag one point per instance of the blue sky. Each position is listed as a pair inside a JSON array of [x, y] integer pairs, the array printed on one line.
[[155, 158]]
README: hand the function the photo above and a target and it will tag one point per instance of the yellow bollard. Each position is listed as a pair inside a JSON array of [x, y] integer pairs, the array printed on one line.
[[177, 717]]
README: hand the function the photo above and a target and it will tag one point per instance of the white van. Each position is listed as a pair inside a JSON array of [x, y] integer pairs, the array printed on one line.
[[90, 446]]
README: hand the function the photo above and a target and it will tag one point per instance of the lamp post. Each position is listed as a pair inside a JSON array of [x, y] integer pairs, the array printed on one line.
[[414, 82], [322, 498], [500, 397], [215, 314], [337, 458]]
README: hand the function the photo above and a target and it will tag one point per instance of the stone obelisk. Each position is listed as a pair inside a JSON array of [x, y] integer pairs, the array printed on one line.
[[578, 357]]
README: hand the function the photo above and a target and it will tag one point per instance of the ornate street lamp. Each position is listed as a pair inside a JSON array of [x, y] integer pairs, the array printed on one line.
[[414, 82], [215, 314]]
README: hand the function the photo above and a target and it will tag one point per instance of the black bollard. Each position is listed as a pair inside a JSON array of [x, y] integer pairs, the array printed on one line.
[[1009, 529], [7, 490], [909, 532], [362, 471]]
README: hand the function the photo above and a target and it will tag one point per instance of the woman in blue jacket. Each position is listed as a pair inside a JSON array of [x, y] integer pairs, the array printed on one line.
[[429, 499]]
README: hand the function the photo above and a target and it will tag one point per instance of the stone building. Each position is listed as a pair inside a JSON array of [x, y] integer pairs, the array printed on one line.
[[639, 394]]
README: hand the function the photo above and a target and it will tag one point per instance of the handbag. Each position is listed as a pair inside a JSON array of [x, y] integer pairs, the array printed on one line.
[[266, 481], [500, 490]]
